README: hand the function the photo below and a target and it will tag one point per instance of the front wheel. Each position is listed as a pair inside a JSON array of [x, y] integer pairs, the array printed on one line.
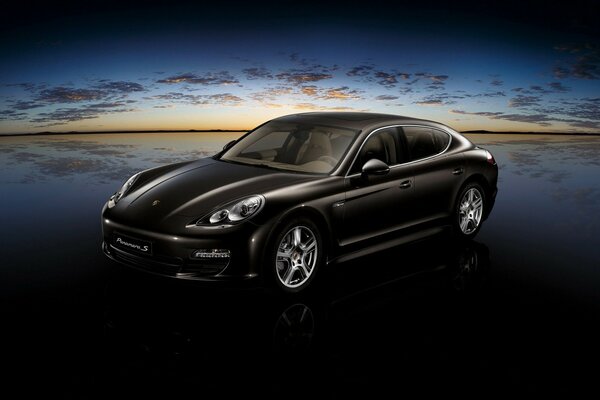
[[297, 254], [468, 211]]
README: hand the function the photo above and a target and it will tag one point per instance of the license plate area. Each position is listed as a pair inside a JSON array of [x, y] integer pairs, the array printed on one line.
[[131, 244]]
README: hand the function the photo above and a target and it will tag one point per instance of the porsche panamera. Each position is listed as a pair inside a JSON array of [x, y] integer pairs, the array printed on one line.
[[298, 193]]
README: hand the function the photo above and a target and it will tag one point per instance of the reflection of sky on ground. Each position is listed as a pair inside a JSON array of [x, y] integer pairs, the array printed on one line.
[[100, 158], [564, 171]]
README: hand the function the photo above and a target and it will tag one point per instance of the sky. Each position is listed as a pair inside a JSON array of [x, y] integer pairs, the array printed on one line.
[[145, 65]]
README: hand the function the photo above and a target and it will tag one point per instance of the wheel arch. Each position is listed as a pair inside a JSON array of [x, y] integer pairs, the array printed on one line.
[[302, 212]]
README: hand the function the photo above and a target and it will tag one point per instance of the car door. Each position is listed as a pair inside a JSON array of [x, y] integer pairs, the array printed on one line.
[[436, 173], [377, 204]]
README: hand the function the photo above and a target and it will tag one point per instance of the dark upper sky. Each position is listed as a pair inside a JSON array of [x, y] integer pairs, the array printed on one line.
[[95, 65]]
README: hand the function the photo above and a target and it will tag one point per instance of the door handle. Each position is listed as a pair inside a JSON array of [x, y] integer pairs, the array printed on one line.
[[458, 171], [405, 184]]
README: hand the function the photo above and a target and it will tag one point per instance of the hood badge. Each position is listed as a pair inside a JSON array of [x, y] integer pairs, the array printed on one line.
[[155, 203]]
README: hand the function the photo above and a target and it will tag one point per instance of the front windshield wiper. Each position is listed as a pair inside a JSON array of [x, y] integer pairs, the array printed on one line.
[[252, 164], [264, 165]]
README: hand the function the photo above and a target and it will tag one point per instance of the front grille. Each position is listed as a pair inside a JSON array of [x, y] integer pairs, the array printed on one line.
[[158, 264], [203, 268]]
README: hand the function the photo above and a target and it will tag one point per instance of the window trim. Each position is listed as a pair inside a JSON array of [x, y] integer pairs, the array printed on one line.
[[401, 164]]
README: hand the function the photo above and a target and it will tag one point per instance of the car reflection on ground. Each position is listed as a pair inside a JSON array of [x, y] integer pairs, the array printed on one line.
[[408, 314]]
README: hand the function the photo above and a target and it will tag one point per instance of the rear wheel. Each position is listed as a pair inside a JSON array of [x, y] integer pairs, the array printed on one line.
[[468, 211], [297, 254]]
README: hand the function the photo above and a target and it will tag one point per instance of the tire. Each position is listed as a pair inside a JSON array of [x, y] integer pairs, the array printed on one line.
[[469, 211], [296, 255]]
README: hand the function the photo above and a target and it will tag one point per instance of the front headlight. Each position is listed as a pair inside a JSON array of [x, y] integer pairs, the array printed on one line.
[[114, 199], [234, 212]]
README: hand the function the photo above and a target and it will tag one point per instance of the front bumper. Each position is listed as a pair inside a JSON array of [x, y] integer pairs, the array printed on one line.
[[172, 256]]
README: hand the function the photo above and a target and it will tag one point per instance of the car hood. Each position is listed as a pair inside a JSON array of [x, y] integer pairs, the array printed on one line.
[[195, 189]]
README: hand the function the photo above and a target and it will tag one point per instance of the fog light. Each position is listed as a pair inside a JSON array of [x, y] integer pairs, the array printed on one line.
[[209, 254]]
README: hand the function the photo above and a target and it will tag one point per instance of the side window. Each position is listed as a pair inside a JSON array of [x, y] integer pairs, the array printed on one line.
[[383, 145], [424, 142]]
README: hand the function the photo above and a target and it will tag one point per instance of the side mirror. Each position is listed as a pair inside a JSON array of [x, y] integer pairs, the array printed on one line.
[[375, 167], [228, 145]]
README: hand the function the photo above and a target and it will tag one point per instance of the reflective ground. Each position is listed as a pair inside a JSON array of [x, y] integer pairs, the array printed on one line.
[[516, 311]]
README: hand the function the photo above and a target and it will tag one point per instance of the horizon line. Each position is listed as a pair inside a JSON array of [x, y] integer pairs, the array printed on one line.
[[51, 133]]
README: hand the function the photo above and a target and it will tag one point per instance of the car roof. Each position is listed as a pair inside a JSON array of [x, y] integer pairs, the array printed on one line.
[[355, 120]]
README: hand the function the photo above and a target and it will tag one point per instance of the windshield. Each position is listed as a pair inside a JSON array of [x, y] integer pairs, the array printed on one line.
[[293, 146]]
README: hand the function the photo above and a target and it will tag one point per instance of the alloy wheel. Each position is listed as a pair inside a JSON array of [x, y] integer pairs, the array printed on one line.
[[471, 211], [296, 256]]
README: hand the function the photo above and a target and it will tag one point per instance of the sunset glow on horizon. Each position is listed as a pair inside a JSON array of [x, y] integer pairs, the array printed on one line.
[[192, 72]]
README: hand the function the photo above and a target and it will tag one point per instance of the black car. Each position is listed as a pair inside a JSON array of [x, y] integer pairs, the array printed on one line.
[[297, 193]]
